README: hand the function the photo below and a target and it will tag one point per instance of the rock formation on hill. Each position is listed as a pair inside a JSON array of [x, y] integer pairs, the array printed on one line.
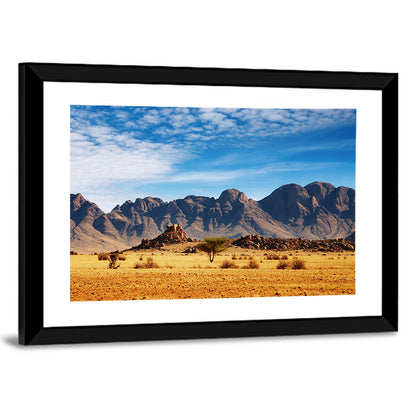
[[316, 211], [172, 235]]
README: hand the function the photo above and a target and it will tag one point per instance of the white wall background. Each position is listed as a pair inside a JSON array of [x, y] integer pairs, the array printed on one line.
[[313, 375]]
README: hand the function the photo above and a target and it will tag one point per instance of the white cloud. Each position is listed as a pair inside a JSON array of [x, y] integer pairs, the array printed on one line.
[[102, 157]]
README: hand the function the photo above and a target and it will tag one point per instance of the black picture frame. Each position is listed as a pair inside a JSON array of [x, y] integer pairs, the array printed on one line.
[[32, 77]]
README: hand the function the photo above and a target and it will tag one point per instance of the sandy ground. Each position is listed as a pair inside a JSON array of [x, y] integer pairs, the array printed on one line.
[[182, 276]]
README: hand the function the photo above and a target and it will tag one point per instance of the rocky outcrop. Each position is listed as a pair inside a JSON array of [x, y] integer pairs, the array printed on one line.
[[284, 244], [173, 234], [351, 237]]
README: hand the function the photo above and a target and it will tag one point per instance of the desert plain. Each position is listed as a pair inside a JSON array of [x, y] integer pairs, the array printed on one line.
[[178, 275]]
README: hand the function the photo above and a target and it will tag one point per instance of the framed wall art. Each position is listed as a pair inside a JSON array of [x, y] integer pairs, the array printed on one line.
[[175, 203]]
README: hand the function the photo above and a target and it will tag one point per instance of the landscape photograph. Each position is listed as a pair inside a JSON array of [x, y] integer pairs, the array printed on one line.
[[199, 203]]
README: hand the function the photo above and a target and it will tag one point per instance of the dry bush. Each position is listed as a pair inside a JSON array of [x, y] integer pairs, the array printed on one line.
[[234, 257], [283, 264], [272, 256], [151, 264], [113, 261], [103, 256], [298, 264], [284, 257], [73, 253], [122, 257], [228, 264], [252, 264]]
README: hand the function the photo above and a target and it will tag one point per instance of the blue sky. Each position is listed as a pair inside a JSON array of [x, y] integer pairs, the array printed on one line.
[[121, 153]]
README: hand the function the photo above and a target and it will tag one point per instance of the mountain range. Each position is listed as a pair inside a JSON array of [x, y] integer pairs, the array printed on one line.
[[317, 211]]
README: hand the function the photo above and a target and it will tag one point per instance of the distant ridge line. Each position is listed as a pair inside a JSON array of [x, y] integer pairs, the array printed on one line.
[[317, 211]]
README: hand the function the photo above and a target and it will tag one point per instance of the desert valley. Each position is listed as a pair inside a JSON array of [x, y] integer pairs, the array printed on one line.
[[298, 241]]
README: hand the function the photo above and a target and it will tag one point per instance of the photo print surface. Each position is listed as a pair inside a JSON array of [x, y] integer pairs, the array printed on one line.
[[198, 203]]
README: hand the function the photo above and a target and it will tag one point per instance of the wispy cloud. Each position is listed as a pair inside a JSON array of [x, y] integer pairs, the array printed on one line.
[[328, 146], [224, 175]]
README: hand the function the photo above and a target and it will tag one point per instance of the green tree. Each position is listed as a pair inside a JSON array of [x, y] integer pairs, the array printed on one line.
[[213, 246]]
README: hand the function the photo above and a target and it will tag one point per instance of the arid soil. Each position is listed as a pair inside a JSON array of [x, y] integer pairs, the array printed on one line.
[[184, 276]]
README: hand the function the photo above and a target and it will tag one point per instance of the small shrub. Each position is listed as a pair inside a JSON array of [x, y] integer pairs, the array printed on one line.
[[228, 264], [283, 264], [141, 258], [103, 256], [284, 257], [252, 264], [113, 261], [150, 264], [73, 253], [298, 264], [234, 257], [272, 256], [122, 257]]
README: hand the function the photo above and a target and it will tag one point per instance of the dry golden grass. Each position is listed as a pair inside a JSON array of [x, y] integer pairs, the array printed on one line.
[[182, 276]]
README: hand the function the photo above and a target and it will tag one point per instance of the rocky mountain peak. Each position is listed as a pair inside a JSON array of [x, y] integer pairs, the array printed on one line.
[[319, 189], [77, 200], [233, 195]]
